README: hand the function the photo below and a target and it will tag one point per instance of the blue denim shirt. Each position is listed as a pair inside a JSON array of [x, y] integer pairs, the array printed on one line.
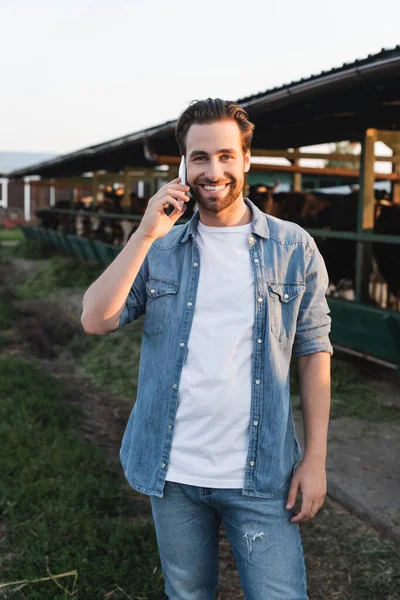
[[290, 317]]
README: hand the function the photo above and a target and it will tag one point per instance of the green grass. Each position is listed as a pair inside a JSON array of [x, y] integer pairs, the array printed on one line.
[[59, 502], [60, 273], [11, 234], [4, 340], [31, 249], [111, 361], [7, 315], [350, 395]]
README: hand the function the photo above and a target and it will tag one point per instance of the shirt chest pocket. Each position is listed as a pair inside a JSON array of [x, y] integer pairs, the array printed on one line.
[[160, 297], [284, 303]]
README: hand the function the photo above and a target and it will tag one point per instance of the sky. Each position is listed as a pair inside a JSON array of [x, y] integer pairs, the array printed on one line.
[[79, 73]]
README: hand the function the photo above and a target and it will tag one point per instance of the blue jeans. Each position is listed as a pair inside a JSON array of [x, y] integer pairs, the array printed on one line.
[[267, 548]]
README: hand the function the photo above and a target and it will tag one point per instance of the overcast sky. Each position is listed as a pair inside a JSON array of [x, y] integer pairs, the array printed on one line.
[[79, 73]]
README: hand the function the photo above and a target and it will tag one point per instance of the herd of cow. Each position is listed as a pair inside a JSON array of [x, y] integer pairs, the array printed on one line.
[[336, 212]]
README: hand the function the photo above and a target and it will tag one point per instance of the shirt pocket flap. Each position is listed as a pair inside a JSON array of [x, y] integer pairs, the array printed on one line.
[[287, 291], [160, 287]]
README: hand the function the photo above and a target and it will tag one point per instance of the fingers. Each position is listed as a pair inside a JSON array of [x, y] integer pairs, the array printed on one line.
[[308, 511], [304, 513], [174, 216], [314, 509], [176, 183], [294, 488], [177, 193], [169, 200]]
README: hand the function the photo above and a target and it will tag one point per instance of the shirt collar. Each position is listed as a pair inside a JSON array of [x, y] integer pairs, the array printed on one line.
[[259, 222]]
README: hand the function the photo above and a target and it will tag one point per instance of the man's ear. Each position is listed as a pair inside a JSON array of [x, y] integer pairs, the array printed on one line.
[[247, 161]]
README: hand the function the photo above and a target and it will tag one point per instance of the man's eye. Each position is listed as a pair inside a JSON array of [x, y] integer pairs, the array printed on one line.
[[199, 158], [226, 156]]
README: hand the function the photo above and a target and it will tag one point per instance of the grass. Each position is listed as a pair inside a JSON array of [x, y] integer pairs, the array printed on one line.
[[11, 234], [59, 515], [347, 560], [7, 315], [62, 509], [60, 273], [111, 361], [30, 249], [5, 340], [350, 395]]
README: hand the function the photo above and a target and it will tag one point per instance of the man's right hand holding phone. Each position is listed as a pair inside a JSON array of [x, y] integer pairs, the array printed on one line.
[[155, 222]]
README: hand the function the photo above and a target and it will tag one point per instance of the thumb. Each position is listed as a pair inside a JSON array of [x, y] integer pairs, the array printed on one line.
[[294, 488]]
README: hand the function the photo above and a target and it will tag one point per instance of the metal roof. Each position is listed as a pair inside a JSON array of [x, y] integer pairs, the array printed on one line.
[[331, 106]]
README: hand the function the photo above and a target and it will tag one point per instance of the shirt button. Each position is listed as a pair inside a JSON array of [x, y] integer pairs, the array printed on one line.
[[169, 426], [195, 264], [153, 291], [259, 299], [182, 345], [259, 341], [189, 304], [175, 386], [256, 260], [257, 381], [255, 422], [252, 463], [163, 466], [286, 295]]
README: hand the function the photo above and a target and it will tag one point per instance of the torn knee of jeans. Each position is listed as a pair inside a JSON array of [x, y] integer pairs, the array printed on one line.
[[252, 537]]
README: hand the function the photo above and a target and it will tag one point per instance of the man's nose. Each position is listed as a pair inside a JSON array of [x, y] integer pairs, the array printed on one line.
[[214, 171]]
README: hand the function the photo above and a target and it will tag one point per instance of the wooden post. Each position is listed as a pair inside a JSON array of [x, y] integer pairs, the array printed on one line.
[[4, 192], [95, 187], [52, 193], [367, 195], [365, 216], [396, 184], [27, 199], [297, 178]]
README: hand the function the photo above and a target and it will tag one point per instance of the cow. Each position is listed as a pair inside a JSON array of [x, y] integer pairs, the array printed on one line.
[[387, 256]]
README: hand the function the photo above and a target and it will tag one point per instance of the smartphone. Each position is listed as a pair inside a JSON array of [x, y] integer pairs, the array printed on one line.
[[182, 175], [182, 171]]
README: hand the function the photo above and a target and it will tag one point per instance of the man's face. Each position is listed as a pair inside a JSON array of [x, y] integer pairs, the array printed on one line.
[[215, 164]]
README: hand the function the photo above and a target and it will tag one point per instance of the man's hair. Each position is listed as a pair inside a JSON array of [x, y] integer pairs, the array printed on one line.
[[210, 111]]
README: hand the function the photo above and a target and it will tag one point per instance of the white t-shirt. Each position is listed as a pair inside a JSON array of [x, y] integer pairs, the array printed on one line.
[[210, 439]]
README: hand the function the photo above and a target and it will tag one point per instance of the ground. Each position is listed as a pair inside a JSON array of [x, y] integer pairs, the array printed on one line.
[[347, 558]]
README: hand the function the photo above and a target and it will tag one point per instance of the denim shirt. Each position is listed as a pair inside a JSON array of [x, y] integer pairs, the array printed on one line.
[[290, 317]]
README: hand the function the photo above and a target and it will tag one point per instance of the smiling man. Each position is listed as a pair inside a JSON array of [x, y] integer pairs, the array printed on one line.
[[228, 298]]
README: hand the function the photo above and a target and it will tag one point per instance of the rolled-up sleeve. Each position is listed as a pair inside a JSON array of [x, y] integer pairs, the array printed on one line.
[[135, 304], [313, 321]]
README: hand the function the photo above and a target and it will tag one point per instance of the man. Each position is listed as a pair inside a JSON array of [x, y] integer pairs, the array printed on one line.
[[228, 297]]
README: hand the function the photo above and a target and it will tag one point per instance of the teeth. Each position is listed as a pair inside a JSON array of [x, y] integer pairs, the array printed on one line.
[[214, 188]]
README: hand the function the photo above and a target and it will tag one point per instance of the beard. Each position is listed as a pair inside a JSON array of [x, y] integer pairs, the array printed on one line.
[[217, 202]]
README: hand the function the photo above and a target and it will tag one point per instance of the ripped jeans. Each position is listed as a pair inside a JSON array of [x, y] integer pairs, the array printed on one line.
[[267, 548]]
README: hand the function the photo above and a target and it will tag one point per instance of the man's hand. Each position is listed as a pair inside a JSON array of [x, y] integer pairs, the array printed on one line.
[[310, 478]]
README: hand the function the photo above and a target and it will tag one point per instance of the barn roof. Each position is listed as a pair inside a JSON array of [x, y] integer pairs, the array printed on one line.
[[334, 105]]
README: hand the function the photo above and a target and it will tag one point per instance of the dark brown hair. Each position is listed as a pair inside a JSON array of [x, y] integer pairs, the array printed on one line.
[[209, 111]]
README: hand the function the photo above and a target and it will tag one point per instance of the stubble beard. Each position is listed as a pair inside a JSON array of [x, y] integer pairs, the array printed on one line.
[[218, 203]]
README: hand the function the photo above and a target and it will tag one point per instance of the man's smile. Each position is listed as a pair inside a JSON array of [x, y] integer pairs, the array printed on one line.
[[214, 188]]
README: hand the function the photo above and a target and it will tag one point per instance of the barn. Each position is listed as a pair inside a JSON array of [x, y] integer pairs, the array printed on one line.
[[358, 234]]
